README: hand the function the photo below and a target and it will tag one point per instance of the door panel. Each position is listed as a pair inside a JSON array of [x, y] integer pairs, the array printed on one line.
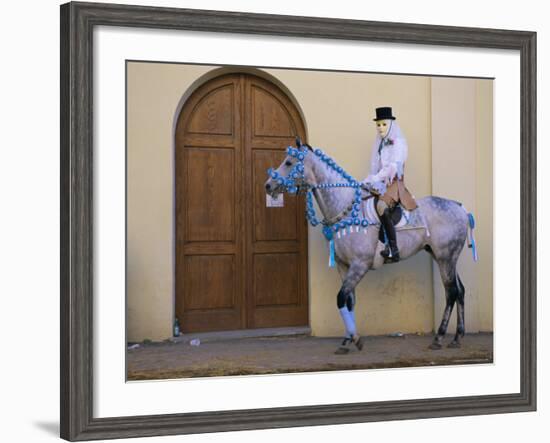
[[276, 248], [239, 264], [214, 113], [210, 282], [209, 246], [270, 117], [276, 280], [210, 203]]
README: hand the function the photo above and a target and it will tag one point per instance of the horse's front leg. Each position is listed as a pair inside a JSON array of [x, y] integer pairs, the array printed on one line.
[[345, 301], [349, 320]]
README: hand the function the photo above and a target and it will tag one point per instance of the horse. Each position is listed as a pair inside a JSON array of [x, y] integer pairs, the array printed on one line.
[[439, 226]]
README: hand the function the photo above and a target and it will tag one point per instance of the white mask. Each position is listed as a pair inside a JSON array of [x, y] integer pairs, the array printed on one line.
[[383, 127]]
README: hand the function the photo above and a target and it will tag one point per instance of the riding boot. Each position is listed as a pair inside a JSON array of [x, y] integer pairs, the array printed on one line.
[[391, 253]]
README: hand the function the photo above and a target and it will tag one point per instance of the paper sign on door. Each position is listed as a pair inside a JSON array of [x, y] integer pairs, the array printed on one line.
[[277, 202]]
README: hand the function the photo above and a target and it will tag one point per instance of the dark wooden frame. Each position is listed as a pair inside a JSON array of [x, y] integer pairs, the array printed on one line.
[[77, 24]]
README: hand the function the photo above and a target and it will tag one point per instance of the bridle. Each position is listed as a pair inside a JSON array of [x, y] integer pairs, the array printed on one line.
[[295, 183]]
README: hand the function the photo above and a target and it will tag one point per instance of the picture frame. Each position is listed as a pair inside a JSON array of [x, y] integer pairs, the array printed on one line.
[[77, 211]]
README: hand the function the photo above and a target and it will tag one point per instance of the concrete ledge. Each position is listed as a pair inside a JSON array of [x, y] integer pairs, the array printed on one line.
[[216, 336], [294, 354]]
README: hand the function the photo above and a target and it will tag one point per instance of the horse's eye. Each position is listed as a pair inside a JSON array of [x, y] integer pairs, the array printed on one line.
[[288, 163]]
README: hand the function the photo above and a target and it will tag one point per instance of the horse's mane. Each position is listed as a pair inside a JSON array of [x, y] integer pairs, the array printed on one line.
[[333, 166]]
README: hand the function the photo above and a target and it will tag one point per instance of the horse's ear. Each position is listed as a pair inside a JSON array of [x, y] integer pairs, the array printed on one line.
[[298, 142]]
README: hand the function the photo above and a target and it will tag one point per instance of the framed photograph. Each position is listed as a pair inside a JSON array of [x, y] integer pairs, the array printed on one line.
[[259, 212]]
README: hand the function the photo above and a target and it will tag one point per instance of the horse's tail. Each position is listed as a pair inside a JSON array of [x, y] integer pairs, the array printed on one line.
[[471, 238]]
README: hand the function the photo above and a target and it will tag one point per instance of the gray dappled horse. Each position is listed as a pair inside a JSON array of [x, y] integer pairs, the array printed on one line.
[[439, 226]]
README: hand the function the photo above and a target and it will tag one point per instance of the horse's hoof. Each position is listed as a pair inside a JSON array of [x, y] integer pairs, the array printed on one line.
[[454, 344], [435, 346], [342, 351], [359, 343]]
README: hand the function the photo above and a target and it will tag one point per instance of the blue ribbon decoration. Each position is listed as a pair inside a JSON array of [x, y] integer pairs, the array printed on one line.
[[331, 261], [472, 223], [329, 235], [474, 249], [471, 220]]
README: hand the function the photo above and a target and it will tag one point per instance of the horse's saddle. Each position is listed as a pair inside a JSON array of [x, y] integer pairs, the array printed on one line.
[[399, 215], [396, 213]]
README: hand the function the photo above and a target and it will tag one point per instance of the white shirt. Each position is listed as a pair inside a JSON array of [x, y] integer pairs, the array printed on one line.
[[390, 162]]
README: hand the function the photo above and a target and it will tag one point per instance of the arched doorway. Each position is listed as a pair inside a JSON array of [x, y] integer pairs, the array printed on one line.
[[239, 264]]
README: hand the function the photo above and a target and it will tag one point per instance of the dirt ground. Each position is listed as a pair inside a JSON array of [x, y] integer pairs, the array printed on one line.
[[275, 355]]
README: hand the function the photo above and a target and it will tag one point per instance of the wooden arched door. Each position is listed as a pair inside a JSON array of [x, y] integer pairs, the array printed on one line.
[[239, 264]]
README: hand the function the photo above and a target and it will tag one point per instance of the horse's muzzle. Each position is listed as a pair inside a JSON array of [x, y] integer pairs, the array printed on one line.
[[272, 188]]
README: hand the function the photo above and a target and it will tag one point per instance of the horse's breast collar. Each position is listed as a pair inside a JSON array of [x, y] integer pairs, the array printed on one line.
[[341, 215]]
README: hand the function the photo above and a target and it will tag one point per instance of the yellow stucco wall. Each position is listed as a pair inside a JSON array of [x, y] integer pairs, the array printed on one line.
[[338, 110], [154, 94], [484, 202], [462, 150]]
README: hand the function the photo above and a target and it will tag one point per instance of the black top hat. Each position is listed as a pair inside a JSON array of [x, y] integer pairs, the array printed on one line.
[[384, 114]]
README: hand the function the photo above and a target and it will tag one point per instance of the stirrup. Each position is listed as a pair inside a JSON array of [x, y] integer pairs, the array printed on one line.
[[390, 256]]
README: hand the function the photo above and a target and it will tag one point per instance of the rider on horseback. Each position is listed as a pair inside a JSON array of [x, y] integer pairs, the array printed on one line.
[[386, 176]]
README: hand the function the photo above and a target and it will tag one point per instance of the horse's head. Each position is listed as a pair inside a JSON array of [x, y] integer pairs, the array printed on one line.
[[290, 175]]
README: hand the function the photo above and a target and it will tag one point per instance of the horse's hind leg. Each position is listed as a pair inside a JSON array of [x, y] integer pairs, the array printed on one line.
[[447, 269], [456, 343]]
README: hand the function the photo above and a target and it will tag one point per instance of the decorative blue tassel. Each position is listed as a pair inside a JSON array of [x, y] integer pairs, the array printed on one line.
[[471, 220], [329, 235], [472, 245], [474, 249], [331, 261]]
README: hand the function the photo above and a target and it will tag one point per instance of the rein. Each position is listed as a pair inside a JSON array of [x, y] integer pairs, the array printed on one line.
[[295, 183]]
